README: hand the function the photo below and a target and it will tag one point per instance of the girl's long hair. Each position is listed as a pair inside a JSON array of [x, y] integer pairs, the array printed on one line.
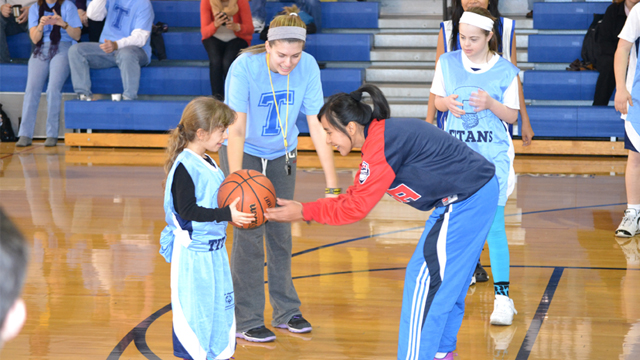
[[204, 113], [280, 20], [342, 108], [455, 19]]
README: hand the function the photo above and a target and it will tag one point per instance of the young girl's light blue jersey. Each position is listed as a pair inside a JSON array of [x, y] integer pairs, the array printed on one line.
[[248, 90], [69, 13], [484, 132], [202, 297]]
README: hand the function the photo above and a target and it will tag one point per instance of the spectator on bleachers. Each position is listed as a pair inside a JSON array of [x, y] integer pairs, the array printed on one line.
[[125, 43], [93, 28], [11, 25], [54, 25], [259, 12], [226, 29], [607, 40], [504, 30]]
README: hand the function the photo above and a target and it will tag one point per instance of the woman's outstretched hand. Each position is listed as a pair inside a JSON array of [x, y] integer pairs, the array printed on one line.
[[287, 211]]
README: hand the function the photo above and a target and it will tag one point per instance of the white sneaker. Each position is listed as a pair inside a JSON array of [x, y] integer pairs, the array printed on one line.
[[629, 225], [503, 311], [473, 280], [258, 25], [83, 97]]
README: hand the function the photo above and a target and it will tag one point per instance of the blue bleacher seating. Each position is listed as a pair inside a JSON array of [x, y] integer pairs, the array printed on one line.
[[170, 80], [132, 115], [566, 15], [576, 121], [188, 46], [559, 85], [344, 15], [554, 48]]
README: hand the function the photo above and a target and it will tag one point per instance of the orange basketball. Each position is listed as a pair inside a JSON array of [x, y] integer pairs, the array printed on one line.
[[255, 191]]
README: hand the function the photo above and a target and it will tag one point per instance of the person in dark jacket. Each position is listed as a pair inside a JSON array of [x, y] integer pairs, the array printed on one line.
[[607, 40]]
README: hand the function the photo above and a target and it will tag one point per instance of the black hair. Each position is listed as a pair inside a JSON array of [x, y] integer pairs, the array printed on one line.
[[342, 108], [13, 264], [455, 20]]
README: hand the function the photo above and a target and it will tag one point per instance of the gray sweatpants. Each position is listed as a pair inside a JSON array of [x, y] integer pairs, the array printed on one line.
[[247, 255]]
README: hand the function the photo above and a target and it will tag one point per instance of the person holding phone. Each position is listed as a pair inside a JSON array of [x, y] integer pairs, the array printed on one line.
[[226, 30], [54, 26], [13, 20]]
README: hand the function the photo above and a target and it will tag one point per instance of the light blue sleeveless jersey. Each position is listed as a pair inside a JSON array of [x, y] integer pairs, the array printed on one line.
[[484, 132], [204, 236], [248, 90]]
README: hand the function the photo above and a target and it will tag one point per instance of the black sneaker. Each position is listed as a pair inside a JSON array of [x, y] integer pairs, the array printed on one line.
[[296, 324], [259, 334], [481, 273]]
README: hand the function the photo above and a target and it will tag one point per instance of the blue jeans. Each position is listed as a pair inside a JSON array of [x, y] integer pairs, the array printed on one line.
[[40, 67], [85, 56], [8, 27]]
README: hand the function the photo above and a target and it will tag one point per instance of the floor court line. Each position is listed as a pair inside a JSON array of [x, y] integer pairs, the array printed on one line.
[[138, 334]]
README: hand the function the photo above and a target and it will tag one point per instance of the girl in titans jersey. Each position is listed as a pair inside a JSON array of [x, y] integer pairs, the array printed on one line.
[[193, 241], [479, 89]]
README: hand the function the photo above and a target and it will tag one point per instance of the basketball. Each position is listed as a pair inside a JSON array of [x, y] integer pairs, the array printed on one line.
[[255, 191]]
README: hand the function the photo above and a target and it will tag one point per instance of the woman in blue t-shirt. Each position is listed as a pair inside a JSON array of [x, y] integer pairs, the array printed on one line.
[[53, 26], [268, 86]]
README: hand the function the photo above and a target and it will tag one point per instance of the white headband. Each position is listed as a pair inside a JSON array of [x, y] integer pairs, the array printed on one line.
[[474, 19], [287, 32]]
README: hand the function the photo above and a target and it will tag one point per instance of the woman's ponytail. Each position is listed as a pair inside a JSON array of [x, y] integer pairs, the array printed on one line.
[[343, 108]]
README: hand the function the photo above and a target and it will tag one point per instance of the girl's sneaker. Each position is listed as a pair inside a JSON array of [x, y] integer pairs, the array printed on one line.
[[629, 225], [297, 324], [259, 334], [503, 311]]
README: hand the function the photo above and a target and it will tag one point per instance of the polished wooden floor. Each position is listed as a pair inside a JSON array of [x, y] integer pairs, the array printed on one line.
[[98, 289]]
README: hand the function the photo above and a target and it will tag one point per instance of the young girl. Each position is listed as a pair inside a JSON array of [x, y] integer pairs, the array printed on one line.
[[268, 86], [194, 238], [480, 90], [449, 40], [422, 166]]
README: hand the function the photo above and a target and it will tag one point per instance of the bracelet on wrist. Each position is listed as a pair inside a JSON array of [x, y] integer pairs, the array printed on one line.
[[334, 191]]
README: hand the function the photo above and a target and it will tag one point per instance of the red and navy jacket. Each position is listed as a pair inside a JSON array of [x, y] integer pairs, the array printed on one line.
[[414, 162]]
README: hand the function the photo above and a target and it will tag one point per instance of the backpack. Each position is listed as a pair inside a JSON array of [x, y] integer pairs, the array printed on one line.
[[6, 130], [157, 41], [589, 45]]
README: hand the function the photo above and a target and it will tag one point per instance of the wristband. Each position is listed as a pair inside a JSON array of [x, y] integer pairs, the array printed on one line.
[[334, 191], [66, 25]]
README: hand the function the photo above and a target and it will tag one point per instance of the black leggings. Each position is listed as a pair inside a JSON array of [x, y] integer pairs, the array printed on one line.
[[221, 55]]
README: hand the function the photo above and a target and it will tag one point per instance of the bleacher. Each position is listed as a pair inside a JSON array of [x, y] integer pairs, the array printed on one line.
[[185, 73], [561, 99]]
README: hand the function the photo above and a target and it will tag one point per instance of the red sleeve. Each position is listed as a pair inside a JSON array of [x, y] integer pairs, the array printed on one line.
[[243, 17], [360, 198], [207, 27]]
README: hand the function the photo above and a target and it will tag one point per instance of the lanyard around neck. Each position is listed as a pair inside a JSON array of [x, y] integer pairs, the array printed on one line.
[[285, 129]]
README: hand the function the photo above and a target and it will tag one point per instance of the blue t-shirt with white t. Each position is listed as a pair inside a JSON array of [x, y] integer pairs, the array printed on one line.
[[248, 90], [69, 13], [124, 16]]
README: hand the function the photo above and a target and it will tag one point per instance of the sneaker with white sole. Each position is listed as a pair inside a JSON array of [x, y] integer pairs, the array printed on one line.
[[297, 324], [259, 334], [503, 311], [629, 225], [258, 25], [473, 280], [83, 97]]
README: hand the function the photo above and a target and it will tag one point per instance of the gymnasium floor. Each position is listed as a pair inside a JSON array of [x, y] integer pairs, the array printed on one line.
[[98, 289]]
